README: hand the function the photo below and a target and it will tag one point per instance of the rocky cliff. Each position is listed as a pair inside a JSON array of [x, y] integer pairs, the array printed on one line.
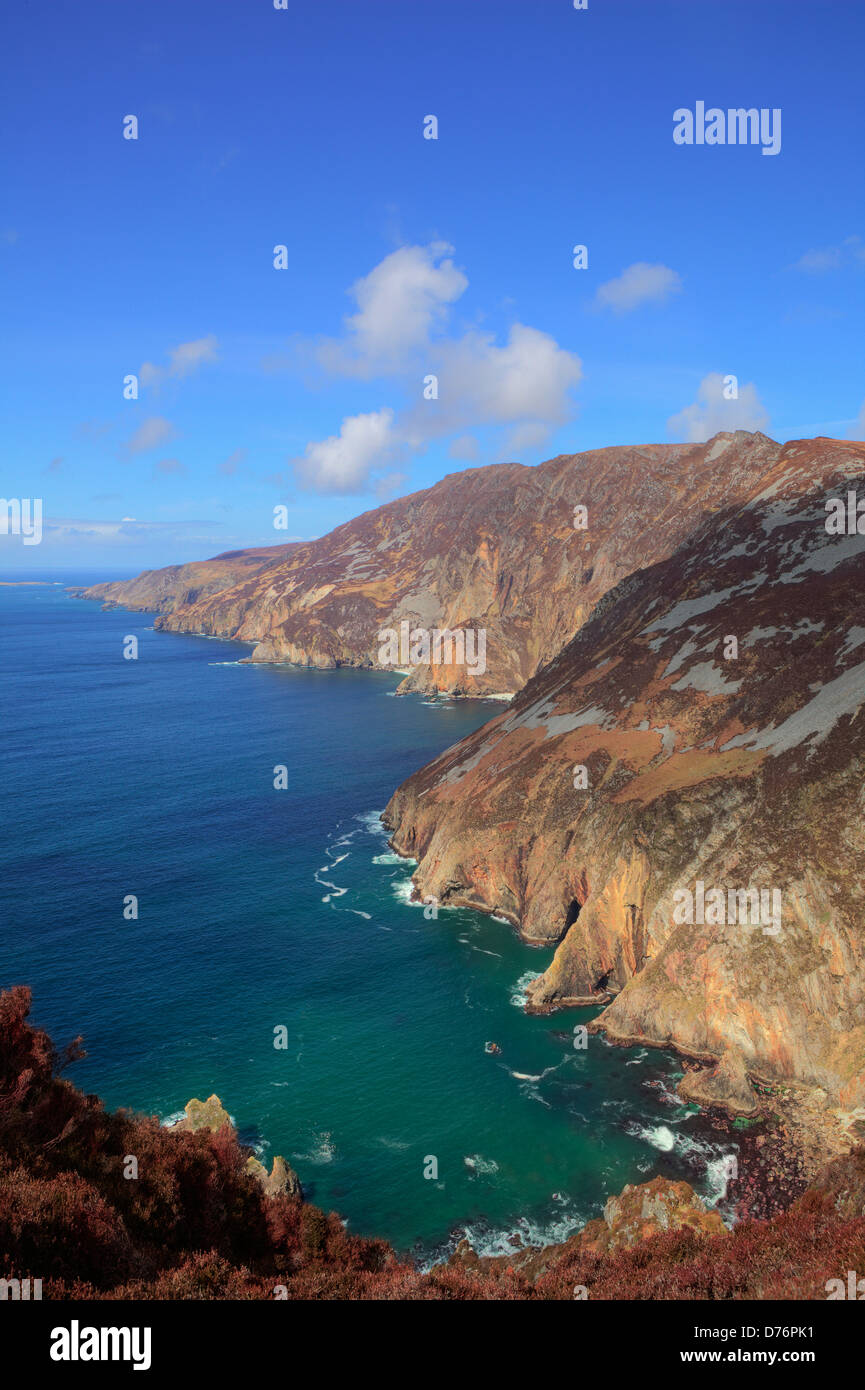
[[499, 549], [677, 798]]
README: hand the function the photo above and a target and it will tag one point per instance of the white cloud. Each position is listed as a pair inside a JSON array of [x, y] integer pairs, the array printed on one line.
[[527, 380], [711, 412], [170, 466], [182, 360], [401, 303], [344, 462], [638, 284], [524, 384], [401, 331], [152, 432]]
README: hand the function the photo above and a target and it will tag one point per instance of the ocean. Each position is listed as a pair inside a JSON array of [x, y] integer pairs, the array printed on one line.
[[270, 914]]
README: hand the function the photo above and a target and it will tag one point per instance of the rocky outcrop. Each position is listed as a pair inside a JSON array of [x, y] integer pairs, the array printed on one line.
[[281, 1178], [205, 1114], [640, 1212], [636, 1215], [677, 798], [211, 1114], [499, 549], [725, 1085]]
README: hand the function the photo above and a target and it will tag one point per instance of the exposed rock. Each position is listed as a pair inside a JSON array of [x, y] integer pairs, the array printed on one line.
[[646, 1210], [211, 1114], [725, 1085], [491, 548], [205, 1114], [282, 1177], [734, 772], [637, 1214]]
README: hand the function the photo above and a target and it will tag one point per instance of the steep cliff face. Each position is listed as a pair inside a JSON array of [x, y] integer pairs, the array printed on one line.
[[656, 774], [497, 549]]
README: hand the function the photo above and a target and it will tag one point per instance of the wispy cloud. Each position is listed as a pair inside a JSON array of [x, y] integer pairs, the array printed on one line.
[[183, 360], [229, 466], [638, 284], [152, 432], [850, 252], [465, 448], [125, 529], [390, 485]]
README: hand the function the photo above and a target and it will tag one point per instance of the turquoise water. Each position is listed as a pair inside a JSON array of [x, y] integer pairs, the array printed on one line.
[[261, 909]]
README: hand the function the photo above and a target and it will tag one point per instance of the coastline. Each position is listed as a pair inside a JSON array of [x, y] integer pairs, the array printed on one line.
[[357, 664], [776, 1158]]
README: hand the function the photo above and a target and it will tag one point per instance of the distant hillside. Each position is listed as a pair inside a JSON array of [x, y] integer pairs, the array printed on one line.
[[493, 548]]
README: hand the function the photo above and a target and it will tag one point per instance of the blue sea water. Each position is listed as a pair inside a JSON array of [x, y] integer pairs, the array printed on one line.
[[262, 909]]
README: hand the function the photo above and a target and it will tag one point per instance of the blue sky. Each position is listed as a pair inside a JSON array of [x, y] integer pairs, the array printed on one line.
[[407, 257]]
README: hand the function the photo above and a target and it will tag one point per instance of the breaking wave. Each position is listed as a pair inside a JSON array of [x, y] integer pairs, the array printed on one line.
[[519, 998], [524, 1232], [485, 1167]]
